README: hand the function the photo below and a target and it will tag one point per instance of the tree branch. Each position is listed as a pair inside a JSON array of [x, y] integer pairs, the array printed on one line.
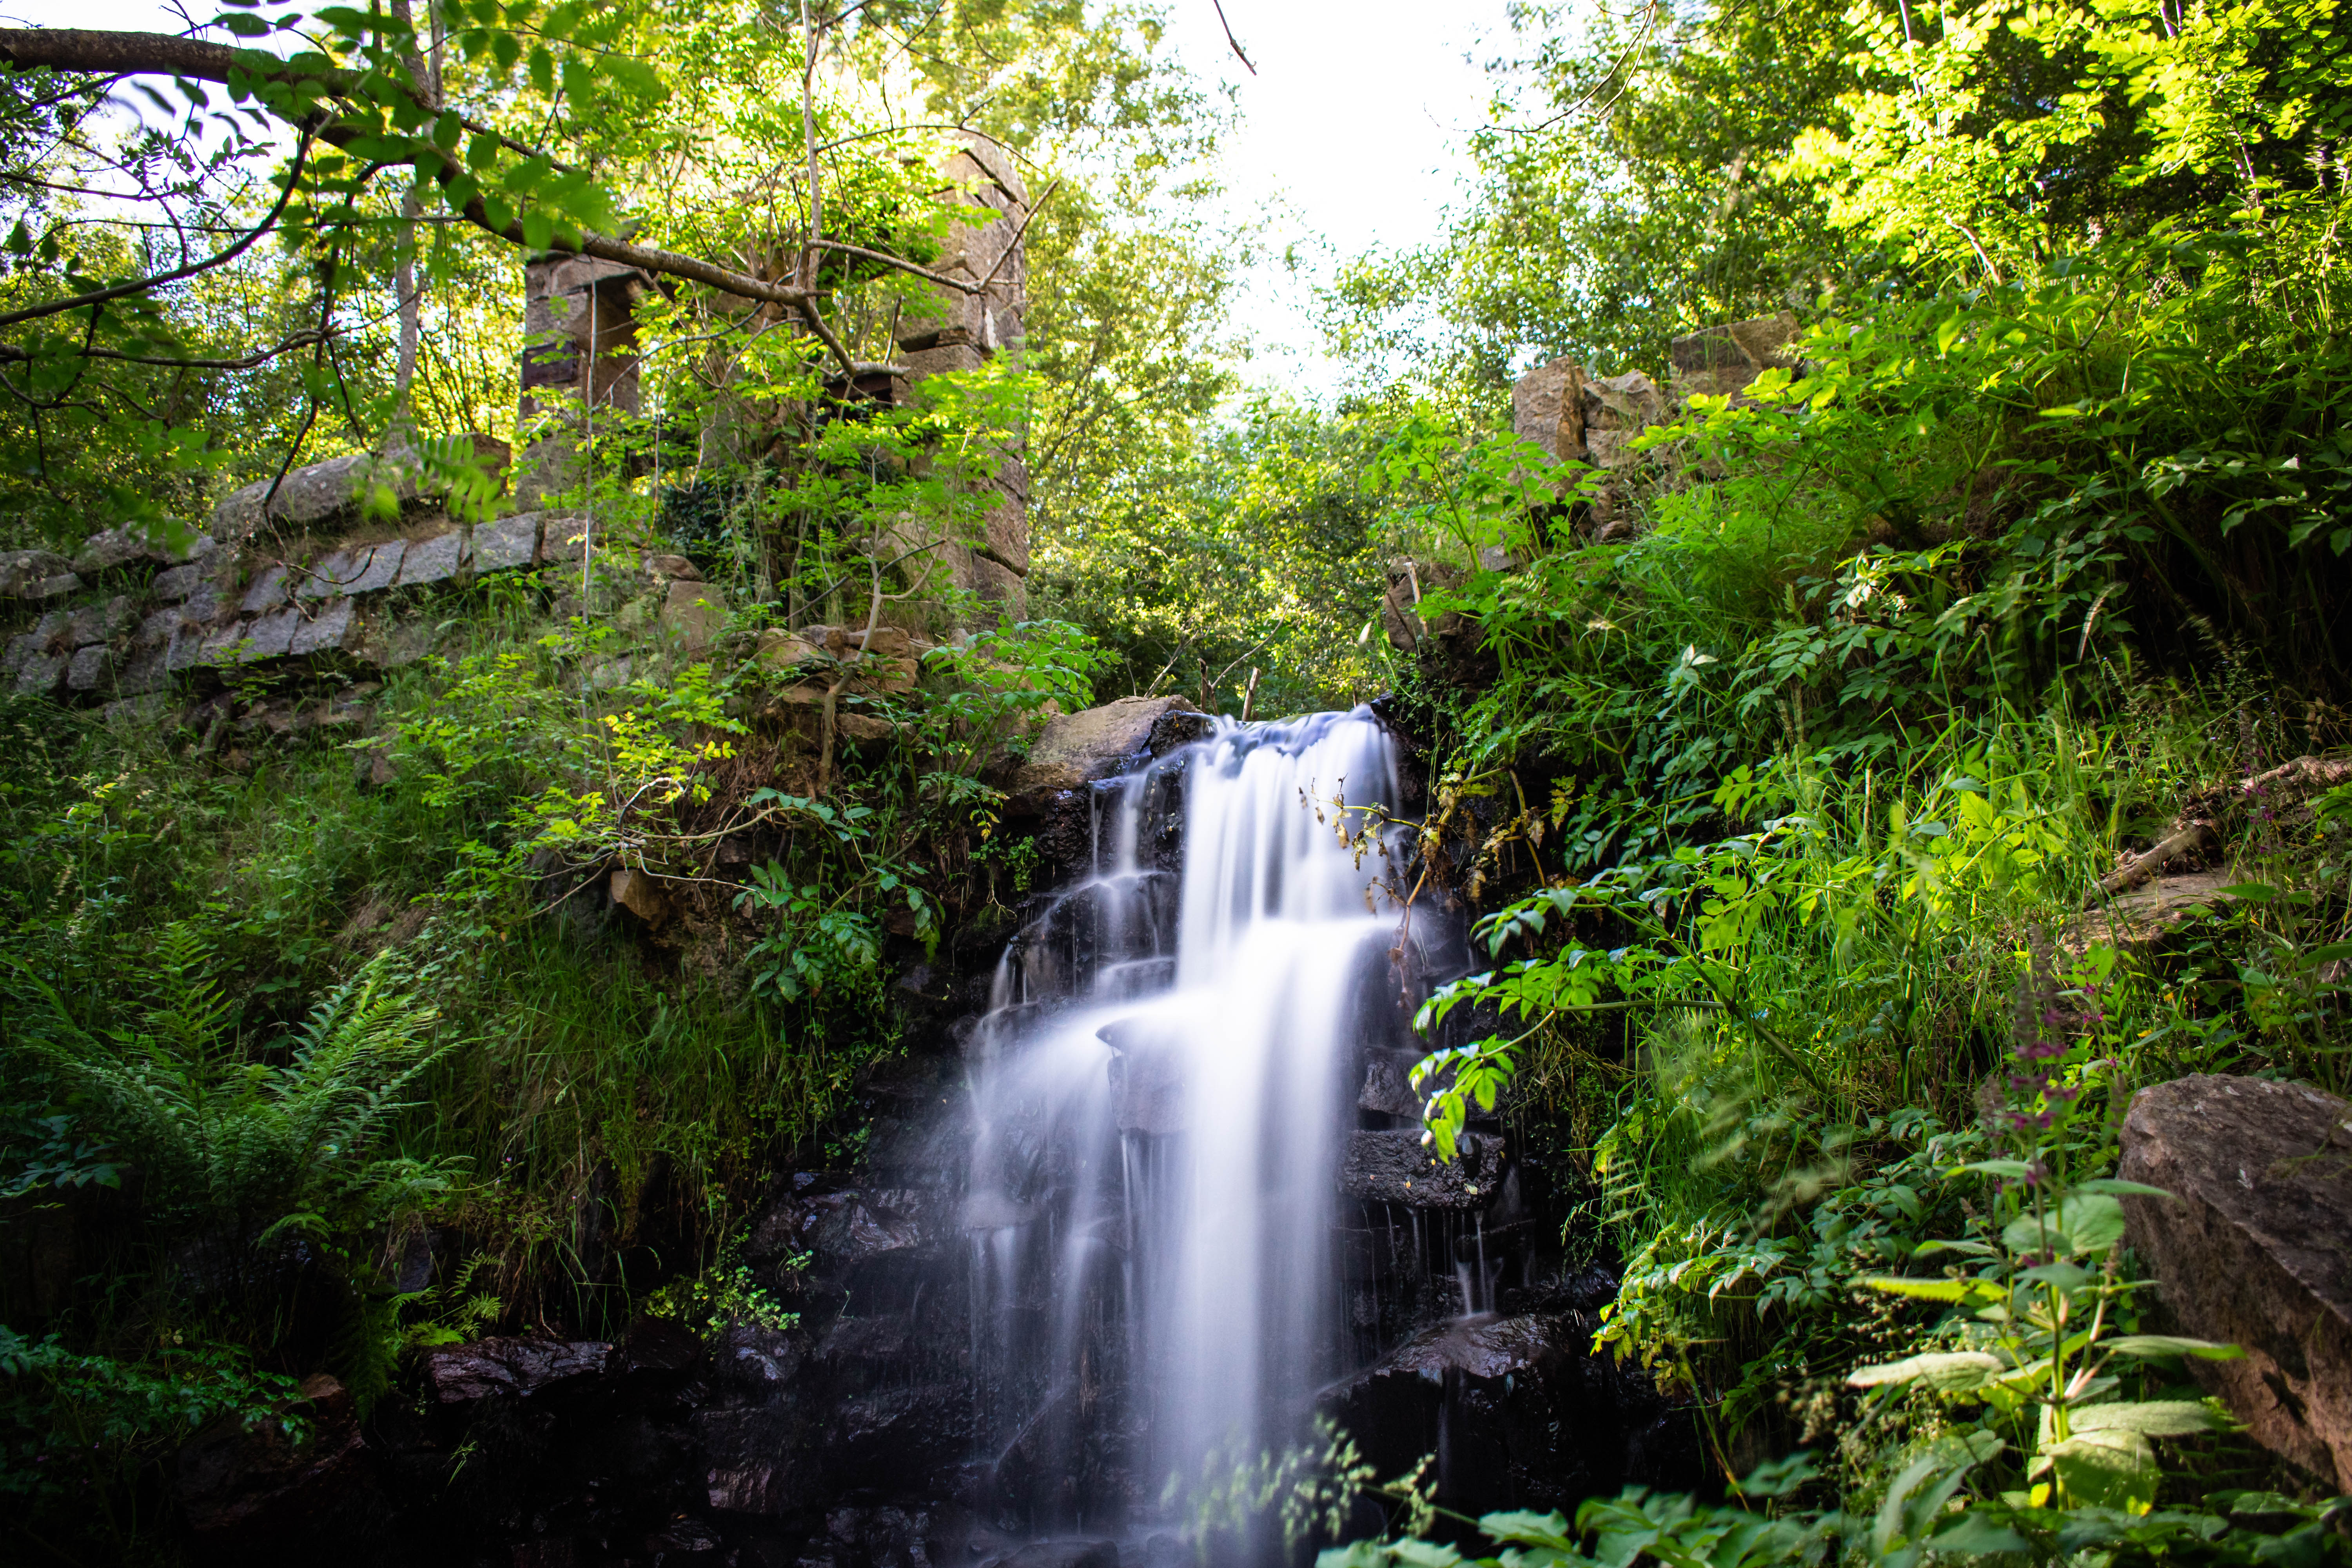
[[109, 53], [141, 285]]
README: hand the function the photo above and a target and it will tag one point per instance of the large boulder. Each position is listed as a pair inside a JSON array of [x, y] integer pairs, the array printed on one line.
[[1077, 749], [2254, 1248]]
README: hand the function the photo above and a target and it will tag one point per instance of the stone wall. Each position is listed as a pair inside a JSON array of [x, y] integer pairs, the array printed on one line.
[[127, 618], [964, 332]]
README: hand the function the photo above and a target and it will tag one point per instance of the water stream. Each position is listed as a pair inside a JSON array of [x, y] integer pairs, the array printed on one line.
[[1161, 1083]]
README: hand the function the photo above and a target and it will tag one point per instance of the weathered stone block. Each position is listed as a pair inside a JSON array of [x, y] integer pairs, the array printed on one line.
[[507, 543], [270, 635], [1548, 408], [179, 582], [42, 673], [945, 357], [568, 536], [110, 548], [692, 612], [87, 670], [433, 560], [268, 592], [144, 670], [781, 649], [1000, 590], [1006, 539], [1076, 749], [207, 602], [637, 892], [314, 496], [13, 658], [24, 572], [1616, 409], [1721, 361], [198, 645], [335, 628], [101, 623], [343, 571]]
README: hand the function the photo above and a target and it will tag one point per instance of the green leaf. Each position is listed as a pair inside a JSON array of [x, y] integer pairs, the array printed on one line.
[[2122, 1189], [1947, 1371], [2148, 1418], [2093, 1222], [1931, 1289], [1977, 1535], [1530, 1530], [2172, 1344]]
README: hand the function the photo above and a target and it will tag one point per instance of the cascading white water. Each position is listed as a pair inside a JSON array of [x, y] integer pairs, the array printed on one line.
[[1159, 1089]]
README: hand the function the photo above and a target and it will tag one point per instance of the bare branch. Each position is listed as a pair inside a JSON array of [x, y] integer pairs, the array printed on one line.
[[140, 285], [1236, 43], [10, 354]]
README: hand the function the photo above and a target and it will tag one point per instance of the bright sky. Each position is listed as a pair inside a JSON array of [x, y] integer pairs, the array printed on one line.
[[1357, 122], [1354, 126]]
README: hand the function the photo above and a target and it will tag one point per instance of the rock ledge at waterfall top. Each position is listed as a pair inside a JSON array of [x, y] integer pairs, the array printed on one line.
[[1077, 749], [2254, 1248]]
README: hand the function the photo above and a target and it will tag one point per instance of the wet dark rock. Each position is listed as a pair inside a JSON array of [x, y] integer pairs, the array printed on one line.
[[1387, 1092], [683, 1537], [1397, 1168], [245, 1488], [1060, 1555], [660, 1345], [838, 1231], [1520, 1411], [2254, 1248], [754, 1359], [456, 1375], [1581, 1289], [752, 1460], [1146, 1083]]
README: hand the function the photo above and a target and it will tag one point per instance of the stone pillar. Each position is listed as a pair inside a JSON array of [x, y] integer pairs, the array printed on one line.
[[1576, 417], [963, 331], [580, 338]]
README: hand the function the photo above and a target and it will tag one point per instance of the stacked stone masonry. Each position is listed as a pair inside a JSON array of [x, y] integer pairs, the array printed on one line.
[[260, 605], [963, 331]]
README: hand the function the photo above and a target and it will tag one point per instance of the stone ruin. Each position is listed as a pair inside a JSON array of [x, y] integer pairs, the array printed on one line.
[[332, 565], [1577, 416]]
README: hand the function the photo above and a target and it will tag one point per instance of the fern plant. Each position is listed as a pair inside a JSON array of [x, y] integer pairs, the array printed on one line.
[[255, 1158]]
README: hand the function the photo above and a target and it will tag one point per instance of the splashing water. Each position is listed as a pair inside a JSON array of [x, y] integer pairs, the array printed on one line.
[[1161, 1087]]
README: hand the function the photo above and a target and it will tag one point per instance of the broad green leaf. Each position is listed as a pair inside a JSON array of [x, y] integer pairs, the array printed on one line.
[[1947, 1371], [2172, 1344], [1923, 1290], [1530, 1530], [2148, 1418]]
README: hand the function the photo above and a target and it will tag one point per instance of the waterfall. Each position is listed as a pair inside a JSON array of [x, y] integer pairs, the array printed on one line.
[[1159, 1086]]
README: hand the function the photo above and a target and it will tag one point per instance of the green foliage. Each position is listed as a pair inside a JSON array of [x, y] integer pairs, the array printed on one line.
[[726, 1295], [75, 1426], [249, 1156], [1259, 546]]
